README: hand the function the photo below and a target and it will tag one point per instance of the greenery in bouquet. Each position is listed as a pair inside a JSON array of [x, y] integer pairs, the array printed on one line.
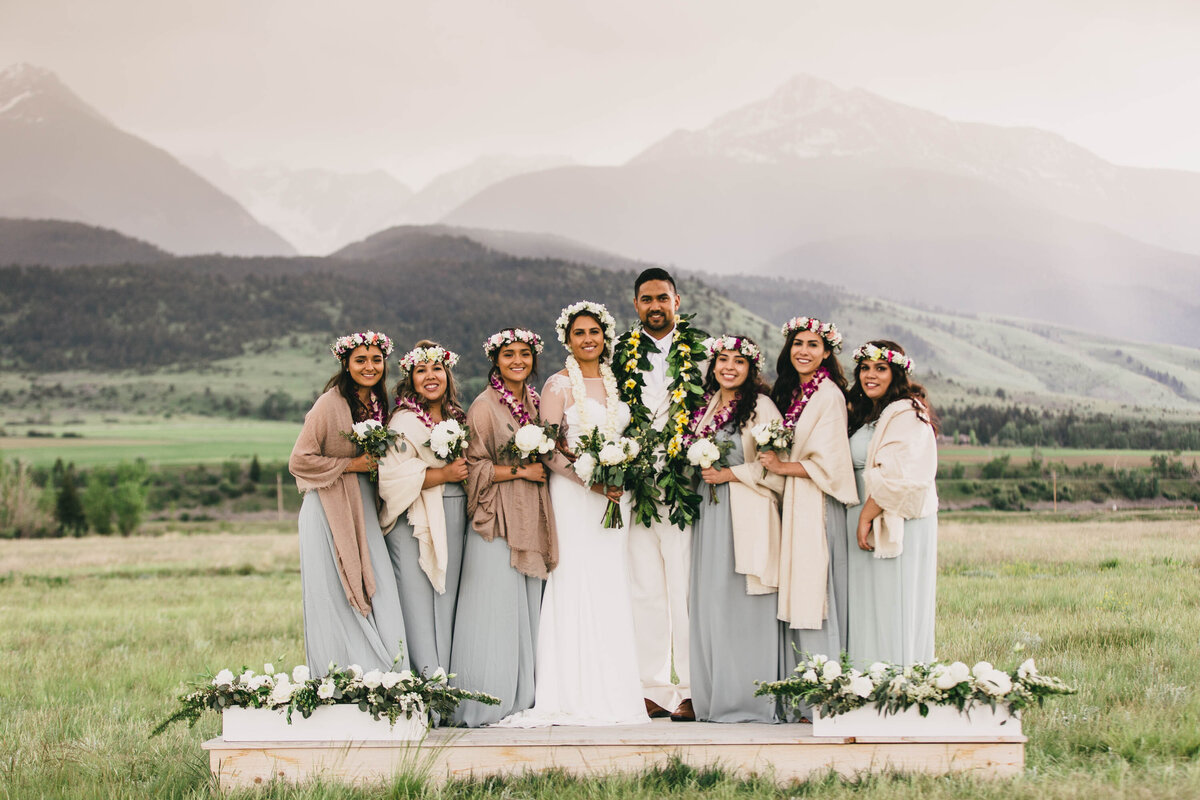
[[381, 694], [707, 452], [773, 436], [373, 438], [530, 441], [606, 462], [834, 687], [448, 439]]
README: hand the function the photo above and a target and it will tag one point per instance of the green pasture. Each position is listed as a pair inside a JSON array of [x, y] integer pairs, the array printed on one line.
[[98, 633], [1073, 457]]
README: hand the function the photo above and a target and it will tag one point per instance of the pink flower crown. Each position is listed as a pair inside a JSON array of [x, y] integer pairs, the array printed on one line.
[[826, 330], [869, 352], [713, 346], [426, 355], [508, 336], [346, 344]]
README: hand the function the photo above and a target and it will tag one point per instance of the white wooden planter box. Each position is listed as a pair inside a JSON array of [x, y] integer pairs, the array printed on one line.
[[339, 723], [978, 720]]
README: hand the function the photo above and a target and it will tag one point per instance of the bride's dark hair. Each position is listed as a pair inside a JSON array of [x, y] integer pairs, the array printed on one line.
[[747, 393]]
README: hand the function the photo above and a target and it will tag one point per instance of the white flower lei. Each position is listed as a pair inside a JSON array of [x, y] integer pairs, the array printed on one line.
[[599, 311], [611, 399], [869, 352]]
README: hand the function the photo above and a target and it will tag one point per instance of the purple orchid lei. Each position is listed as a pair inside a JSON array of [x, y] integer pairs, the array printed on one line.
[[801, 396], [409, 404], [515, 406], [719, 420]]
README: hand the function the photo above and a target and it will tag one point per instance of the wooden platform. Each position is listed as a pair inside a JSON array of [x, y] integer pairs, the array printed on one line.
[[788, 752]]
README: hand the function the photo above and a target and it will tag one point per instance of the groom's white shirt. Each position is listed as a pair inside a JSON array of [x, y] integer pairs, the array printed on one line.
[[656, 394]]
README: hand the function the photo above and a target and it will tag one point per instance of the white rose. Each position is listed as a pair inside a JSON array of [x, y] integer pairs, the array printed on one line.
[[268, 668], [1026, 669], [959, 672], [390, 679], [246, 676], [632, 448], [223, 678], [282, 693], [259, 681], [943, 679], [355, 671], [878, 668], [809, 676], [529, 438], [831, 670], [325, 690], [703, 453], [981, 669], [862, 686], [373, 679], [300, 673], [584, 466], [996, 683], [761, 434], [611, 454]]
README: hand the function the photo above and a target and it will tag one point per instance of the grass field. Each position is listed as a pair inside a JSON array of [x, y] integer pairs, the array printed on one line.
[[98, 633]]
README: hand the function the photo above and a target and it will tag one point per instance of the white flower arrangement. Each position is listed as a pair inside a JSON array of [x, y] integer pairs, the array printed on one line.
[[531, 440], [347, 344], [717, 344], [869, 352], [426, 355], [774, 437], [826, 330], [599, 311], [448, 439], [391, 694], [703, 453], [373, 437], [604, 460], [509, 335], [833, 687]]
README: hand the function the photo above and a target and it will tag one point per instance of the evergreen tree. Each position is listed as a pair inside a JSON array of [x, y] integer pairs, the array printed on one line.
[[68, 509], [255, 470]]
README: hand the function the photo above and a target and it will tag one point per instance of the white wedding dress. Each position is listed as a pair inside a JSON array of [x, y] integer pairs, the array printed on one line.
[[586, 671]]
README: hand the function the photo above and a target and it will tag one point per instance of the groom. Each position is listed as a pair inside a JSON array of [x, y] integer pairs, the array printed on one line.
[[659, 369]]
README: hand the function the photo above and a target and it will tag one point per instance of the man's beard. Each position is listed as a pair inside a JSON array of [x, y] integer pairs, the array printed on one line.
[[664, 325]]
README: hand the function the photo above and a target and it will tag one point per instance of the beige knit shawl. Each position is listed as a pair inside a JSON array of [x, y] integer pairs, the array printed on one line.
[[754, 505], [900, 475], [319, 462], [517, 511], [821, 445], [401, 474]]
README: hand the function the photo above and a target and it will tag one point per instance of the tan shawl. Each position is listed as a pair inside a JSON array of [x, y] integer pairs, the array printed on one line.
[[821, 445], [754, 506], [517, 511], [401, 473], [900, 474], [319, 462]]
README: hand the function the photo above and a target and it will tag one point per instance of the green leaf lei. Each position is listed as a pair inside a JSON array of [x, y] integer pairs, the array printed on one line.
[[672, 487]]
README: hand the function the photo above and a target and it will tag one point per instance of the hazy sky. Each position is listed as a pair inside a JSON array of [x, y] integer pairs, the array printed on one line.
[[422, 87]]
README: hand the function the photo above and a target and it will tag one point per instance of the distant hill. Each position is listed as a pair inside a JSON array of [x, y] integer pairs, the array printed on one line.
[[55, 243], [61, 159], [450, 189], [820, 184]]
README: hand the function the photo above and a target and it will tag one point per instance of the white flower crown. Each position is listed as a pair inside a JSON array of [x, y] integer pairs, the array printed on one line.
[[598, 310], [869, 352], [426, 355], [749, 349], [826, 330], [508, 336], [346, 344]]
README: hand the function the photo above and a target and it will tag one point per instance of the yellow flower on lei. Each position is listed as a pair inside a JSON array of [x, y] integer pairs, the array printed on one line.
[[678, 395], [631, 384], [631, 365]]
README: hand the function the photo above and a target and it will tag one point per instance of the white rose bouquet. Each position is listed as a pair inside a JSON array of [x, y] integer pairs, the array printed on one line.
[[532, 440], [448, 439], [374, 438], [773, 436], [705, 453], [606, 461]]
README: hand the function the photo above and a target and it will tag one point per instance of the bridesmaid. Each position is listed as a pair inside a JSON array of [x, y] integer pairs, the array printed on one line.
[[893, 544], [733, 631], [351, 605], [426, 544], [512, 545], [810, 393]]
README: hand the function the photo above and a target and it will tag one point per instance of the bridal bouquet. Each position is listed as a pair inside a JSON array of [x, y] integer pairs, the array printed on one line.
[[531, 440], [448, 439], [605, 461], [705, 453], [773, 436], [374, 438]]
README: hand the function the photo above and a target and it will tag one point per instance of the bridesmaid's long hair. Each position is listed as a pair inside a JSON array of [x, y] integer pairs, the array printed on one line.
[[348, 388], [864, 410], [747, 393], [451, 407], [494, 372], [789, 379]]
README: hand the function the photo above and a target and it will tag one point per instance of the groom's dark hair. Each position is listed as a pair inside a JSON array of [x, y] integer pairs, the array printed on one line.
[[653, 274]]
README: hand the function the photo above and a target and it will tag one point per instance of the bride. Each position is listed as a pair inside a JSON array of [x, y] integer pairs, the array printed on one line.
[[586, 664]]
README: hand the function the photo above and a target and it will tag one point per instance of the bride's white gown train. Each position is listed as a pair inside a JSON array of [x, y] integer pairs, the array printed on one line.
[[586, 671]]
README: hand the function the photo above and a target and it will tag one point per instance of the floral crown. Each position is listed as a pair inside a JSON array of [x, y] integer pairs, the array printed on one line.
[[826, 330], [869, 352], [426, 355], [597, 310], [346, 344], [749, 349], [508, 336]]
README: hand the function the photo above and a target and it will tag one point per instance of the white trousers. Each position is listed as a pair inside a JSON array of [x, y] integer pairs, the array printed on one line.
[[660, 563]]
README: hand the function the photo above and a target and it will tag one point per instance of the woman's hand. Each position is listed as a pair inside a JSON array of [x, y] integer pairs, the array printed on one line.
[[455, 471], [864, 530], [870, 510], [770, 461], [715, 476], [532, 472], [363, 463], [613, 493]]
